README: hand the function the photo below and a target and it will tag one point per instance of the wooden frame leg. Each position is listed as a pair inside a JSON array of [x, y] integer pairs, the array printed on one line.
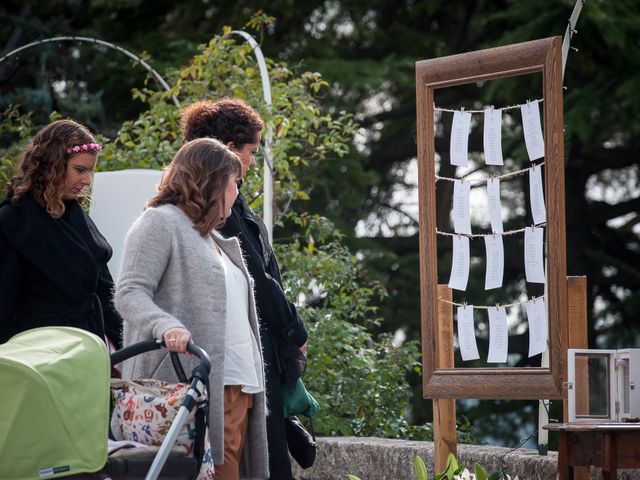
[[444, 410], [565, 471], [609, 457]]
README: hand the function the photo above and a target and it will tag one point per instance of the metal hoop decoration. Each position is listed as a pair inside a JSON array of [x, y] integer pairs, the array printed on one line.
[[268, 160], [129, 54]]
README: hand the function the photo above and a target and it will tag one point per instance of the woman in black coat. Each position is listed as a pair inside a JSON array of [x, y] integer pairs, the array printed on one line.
[[53, 259], [282, 331]]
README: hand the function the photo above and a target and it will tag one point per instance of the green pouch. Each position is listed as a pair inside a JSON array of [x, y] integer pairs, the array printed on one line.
[[297, 401]]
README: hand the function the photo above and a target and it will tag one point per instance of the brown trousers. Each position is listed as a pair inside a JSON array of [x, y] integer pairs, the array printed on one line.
[[236, 418]]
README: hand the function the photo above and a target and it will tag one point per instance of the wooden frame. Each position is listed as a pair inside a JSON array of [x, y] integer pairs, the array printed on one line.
[[440, 381]]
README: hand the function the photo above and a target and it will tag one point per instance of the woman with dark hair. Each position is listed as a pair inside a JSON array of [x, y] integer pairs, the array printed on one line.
[[53, 259], [284, 335], [180, 278]]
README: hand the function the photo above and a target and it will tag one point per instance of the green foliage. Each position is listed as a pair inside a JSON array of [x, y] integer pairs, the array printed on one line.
[[303, 135], [420, 468], [453, 471], [359, 381], [15, 129], [479, 472]]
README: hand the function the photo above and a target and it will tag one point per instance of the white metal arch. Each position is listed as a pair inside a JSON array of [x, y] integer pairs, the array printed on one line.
[[267, 214], [126, 52]]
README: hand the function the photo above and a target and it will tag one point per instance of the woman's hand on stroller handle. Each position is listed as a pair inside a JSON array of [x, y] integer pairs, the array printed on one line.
[[176, 339]]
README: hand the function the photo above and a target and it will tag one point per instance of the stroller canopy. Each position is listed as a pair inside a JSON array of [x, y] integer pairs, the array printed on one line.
[[54, 405]]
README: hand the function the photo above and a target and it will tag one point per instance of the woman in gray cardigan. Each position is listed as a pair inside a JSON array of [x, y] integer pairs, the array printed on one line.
[[179, 279]]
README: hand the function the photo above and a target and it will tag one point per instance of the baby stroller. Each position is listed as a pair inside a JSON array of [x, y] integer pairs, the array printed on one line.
[[55, 403]]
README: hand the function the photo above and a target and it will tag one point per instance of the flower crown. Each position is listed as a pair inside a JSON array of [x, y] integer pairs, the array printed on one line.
[[86, 147]]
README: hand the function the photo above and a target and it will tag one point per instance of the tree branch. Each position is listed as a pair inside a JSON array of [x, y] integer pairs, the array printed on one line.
[[603, 211], [612, 158]]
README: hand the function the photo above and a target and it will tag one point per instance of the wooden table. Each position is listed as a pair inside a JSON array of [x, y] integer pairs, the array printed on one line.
[[607, 445]]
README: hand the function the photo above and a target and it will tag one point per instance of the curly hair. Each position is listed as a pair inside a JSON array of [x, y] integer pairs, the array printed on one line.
[[42, 165], [227, 120], [195, 181]]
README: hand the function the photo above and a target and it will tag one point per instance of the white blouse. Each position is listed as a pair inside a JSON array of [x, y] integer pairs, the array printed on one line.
[[242, 364]]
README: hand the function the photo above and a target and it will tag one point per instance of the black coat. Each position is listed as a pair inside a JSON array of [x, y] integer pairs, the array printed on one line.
[[54, 271], [281, 329]]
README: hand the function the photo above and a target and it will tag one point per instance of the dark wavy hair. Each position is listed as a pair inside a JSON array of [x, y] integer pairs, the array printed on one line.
[[42, 165], [227, 120], [195, 181]]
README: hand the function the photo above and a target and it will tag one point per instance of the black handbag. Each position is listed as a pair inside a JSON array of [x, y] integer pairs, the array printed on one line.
[[302, 444]]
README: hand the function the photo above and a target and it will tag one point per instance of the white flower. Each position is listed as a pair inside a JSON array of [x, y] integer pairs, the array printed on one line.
[[465, 475]]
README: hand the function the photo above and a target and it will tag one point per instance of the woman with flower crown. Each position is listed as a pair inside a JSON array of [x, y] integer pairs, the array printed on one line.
[[53, 259]]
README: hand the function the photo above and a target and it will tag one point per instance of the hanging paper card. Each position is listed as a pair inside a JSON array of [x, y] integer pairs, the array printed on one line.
[[493, 136], [459, 146], [537, 319], [538, 210], [532, 129], [533, 254], [467, 334], [461, 211], [460, 263], [495, 261], [494, 205], [498, 335]]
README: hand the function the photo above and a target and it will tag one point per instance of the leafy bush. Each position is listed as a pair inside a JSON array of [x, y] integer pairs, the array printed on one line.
[[360, 381], [453, 471]]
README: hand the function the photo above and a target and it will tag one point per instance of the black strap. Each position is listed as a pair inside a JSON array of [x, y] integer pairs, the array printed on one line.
[[177, 366], [313, 434], [202, 415]]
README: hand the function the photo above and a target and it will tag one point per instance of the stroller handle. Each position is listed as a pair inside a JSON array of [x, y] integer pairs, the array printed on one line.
[[156, 344]]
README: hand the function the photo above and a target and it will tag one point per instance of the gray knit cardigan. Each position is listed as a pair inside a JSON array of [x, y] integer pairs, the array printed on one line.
[[172, 276]]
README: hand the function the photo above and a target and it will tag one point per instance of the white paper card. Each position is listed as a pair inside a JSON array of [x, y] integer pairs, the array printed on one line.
[[467, 334], [495, 261], [494, 205], [538, 210], [460, 263], [493, 136], [459, 146], [461, 210], [533, 258], [532, 129], [538, 329], [498, 335]]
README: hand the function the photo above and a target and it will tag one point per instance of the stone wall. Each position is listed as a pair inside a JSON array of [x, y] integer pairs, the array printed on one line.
[[379, 458]]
